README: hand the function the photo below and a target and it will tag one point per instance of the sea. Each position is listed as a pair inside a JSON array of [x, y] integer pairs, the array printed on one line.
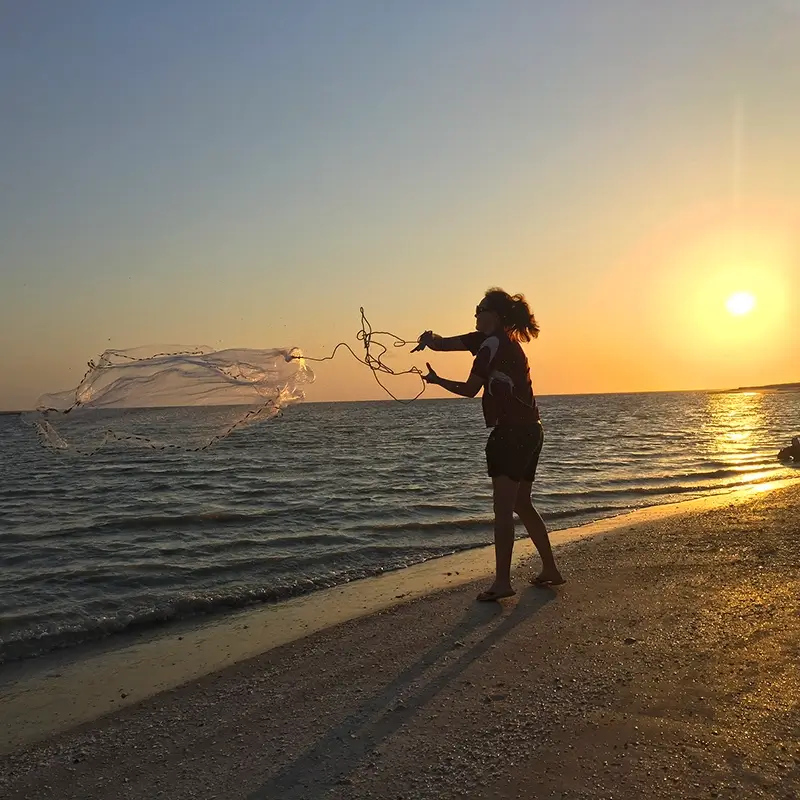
[[121, 540]]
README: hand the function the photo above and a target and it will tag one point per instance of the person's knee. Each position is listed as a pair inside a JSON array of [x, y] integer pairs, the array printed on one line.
[[522, 501], [523, 505], [503, 510], [504, 497]]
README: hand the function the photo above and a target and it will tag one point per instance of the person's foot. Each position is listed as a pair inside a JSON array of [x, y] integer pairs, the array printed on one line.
[[495, 592], [551, 577]]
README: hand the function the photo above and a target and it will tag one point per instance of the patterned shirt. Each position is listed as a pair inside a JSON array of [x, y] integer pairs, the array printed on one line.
[[507, 391]]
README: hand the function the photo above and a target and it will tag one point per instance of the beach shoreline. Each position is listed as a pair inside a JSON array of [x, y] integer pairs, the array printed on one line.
[[59, 691]]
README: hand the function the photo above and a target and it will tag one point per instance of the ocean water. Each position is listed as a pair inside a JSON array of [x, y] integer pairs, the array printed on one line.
[[97, 545]]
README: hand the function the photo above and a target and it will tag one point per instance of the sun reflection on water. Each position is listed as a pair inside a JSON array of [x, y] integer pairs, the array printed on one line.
[[734, 427]]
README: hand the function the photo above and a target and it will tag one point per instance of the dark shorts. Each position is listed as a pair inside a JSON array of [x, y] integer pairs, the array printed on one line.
[[513, 451]]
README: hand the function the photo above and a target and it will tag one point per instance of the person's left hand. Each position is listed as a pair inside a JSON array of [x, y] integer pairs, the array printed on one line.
[[431, 377]]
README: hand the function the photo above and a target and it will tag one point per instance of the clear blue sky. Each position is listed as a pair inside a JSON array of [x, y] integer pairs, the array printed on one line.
[[250, 173]]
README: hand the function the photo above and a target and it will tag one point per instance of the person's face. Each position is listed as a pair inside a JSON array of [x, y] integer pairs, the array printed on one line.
[[486, 320]]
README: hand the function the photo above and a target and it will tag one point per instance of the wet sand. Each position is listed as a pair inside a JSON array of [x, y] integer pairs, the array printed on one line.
[[666, 667]]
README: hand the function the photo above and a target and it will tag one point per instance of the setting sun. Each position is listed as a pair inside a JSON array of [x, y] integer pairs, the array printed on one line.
[[740, 303]]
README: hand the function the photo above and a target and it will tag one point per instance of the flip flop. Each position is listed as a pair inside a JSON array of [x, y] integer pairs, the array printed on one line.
[[490, 596], [537, 581]]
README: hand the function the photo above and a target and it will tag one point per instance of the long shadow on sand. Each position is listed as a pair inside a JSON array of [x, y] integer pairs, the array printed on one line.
[[337, 754]]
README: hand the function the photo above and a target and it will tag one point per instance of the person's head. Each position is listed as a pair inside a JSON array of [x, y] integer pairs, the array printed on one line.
[[501, 311]]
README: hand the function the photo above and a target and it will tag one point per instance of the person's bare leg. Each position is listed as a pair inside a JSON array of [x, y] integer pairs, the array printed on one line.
[[505, 494], [537, 530]]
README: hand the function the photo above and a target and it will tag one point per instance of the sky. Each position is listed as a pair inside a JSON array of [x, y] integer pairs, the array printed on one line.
[[252, 173]]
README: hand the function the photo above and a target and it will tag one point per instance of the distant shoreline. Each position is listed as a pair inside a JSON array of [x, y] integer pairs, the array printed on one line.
[[778, 387]]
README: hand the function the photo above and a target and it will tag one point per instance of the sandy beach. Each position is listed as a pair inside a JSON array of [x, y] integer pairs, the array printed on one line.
[[667, 667]]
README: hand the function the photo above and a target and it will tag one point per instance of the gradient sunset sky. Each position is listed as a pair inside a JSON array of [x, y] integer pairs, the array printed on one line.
[[251, 173]]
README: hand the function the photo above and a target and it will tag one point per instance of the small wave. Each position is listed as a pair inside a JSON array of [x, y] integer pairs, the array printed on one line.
[[586, 511], [658, 490], [155, 521], [444, 526], [332, 539], [31, 643], [706, 475], [174, 521]]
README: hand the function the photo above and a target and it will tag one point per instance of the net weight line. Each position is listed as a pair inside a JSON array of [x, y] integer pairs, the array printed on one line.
[[43, 426]]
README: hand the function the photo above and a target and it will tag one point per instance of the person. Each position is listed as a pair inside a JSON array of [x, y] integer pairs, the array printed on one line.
[[791, 453], [509, 407]]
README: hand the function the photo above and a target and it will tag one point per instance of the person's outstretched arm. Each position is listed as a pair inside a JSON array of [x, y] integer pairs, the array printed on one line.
[[433, 341], [486, 348], [468, 388]]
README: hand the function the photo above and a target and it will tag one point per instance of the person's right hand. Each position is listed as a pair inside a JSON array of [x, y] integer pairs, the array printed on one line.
[[425, 340]]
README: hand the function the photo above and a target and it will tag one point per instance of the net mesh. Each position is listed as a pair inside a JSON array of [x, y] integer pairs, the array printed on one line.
[[186, 397]]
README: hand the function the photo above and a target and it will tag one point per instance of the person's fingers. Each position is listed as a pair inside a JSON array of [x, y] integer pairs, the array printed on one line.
[[422, 341]]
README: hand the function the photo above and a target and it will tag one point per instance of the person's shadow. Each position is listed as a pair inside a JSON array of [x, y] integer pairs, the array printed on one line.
[[339, 751]]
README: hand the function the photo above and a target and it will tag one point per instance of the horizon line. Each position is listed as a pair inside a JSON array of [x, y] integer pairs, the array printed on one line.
[[765, 387]]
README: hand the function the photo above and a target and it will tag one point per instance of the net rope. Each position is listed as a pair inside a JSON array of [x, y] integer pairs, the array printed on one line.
[[375, 362]]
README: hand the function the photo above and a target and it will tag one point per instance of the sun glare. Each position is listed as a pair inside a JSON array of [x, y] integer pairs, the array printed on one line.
[[740, 303]]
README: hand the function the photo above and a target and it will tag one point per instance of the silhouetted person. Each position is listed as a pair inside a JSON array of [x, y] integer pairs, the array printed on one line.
[[791, 453], [501, 369]]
